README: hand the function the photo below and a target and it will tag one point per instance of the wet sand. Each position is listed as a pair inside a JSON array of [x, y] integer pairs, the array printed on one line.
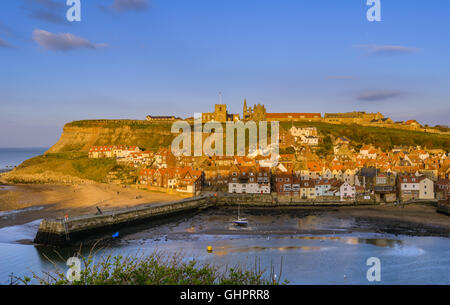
[[50, 201], [412, 220]]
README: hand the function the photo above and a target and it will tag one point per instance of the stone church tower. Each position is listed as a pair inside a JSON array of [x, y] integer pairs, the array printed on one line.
[[245, 112]]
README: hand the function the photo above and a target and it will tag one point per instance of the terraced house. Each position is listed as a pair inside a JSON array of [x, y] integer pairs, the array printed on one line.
[[408, 187], [183, 179], [249, 180]]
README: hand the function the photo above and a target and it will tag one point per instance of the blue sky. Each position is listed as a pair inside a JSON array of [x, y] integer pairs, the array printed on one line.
[[130, 58]]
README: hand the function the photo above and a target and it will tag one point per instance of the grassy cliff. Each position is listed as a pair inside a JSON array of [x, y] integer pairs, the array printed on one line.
[[64, 167], [81, 135]]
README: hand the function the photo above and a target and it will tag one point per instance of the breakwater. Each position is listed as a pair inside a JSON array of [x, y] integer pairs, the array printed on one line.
[[73, 230]]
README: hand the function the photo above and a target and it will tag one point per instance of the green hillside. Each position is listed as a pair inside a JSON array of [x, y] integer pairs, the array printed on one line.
[[386, 138]]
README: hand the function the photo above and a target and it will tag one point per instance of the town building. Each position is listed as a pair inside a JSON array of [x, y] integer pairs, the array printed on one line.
[[408, 187], [385, 188], [307, 189], [249, 180], [323, 188], [426, 188], [347, 191], [442, 189], [184, 180], [112, 151], [165, 159]]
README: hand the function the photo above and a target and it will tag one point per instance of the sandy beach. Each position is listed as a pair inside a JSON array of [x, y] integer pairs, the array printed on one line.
[[49, 201]]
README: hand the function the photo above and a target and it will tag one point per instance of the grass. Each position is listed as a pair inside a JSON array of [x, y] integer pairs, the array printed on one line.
[[69, 163], [155, 269], [151, 135], [386, 138]]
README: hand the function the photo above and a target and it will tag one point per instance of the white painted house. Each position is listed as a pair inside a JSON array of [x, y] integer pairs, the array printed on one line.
[[323, 188], [248, 188], [426, 188], [347, 191]]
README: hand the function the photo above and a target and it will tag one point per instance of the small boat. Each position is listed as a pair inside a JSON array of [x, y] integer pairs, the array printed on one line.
[[240, 221]]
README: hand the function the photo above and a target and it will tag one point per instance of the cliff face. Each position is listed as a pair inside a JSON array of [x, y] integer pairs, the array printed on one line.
[[81, 135], [150, 135]]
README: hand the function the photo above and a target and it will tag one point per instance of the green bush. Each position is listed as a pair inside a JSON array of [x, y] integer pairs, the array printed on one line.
[[155, 269]]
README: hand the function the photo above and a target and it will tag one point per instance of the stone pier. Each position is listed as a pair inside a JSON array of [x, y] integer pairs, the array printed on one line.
[[73, 230]]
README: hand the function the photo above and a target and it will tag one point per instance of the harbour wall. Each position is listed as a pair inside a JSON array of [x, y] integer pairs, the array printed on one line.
[[73, 230]]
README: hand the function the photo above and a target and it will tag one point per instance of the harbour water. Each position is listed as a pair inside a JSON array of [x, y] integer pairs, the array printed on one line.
[[322, 250]]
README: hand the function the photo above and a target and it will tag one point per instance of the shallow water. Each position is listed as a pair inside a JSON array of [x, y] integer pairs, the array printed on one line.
[[309, 256]]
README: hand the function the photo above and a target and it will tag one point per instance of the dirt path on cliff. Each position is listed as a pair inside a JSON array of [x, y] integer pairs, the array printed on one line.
[[21, 204]]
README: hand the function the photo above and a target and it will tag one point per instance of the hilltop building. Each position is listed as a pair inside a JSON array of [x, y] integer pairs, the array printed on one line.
[[294, 117], [161, 118], [258, 113], [220, 114], [355, 117]]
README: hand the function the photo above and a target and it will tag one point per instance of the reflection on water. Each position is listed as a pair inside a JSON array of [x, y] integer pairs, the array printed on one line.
[[308, 257], [311, 237], [226, 250], [313, 222], [379, 242]]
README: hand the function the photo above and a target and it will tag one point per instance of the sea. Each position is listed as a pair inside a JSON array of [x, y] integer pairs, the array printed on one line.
[[12, 157]]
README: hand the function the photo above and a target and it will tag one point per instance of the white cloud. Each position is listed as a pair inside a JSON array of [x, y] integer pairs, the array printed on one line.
[[387, 49], [63, 42], [126, 5], [378, 95]]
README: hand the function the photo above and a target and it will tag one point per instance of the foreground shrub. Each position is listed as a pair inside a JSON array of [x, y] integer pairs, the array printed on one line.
[[155, 269]]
